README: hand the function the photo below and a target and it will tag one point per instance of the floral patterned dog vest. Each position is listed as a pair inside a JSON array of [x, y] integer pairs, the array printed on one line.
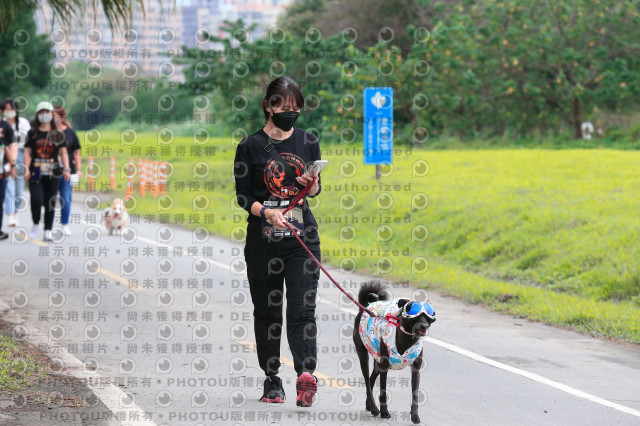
[[373, 330]]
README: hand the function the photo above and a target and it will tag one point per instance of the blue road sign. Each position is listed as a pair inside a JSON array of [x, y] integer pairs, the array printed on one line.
[[378, 125]]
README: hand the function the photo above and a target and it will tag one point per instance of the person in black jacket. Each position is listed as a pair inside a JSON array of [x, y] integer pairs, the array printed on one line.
[[264, 187]]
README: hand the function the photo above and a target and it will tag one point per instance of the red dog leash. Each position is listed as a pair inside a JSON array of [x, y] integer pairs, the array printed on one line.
[[295, 201]]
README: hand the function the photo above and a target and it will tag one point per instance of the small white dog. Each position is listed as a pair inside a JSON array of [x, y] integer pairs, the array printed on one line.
[[116, 216]]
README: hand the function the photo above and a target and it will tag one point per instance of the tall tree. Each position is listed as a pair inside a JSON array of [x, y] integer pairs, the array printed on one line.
[[117, 12], [363, 22], [23, 66], [523, 63]]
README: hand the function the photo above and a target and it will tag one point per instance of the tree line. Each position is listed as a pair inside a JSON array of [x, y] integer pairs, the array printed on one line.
[[466, 68]]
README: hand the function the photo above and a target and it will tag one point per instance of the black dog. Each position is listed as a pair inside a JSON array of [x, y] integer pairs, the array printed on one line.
[[408, 343]]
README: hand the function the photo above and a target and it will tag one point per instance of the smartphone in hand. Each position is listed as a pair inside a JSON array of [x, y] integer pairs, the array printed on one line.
[[316, 165]]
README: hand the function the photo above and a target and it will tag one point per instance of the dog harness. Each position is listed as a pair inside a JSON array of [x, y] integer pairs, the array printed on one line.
[[373, 330]]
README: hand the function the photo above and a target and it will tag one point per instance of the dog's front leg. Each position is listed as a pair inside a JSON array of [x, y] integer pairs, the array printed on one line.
[[384, 411], [415, 387], [363, 356]]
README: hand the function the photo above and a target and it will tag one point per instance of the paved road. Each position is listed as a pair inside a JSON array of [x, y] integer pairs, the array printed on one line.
[[165, 314]]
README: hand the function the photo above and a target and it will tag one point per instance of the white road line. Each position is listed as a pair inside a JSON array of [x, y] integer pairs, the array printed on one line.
[[506, 367], [477, 357], [110, 394], [534, 377]]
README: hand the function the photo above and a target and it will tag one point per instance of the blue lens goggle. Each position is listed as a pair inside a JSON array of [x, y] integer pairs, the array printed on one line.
[[413, 309]]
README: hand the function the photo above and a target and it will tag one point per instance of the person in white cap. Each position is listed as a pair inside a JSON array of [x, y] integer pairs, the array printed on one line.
[[45, 144]]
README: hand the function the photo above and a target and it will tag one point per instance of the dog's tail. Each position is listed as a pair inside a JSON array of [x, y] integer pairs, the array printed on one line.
[[372, 291]]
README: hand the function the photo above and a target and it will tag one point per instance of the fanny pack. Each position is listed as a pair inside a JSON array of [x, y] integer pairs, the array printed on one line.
[[45, 166], [295, 217]]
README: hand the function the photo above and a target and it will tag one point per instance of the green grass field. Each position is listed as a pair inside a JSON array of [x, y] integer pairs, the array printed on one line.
[[550, 235]]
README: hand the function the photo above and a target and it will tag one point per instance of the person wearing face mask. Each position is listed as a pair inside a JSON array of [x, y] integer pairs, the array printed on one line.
[[8, 153], [45, 143], [264, 187], [15, 186], [73, 149]]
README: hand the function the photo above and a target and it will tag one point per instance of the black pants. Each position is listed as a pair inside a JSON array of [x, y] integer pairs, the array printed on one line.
[[43, 193], [3, 187], [267, 268]]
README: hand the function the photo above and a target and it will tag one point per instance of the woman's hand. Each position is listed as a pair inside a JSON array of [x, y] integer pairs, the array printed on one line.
[[66, 175], [305, 179], [27, 174], [275, 218]]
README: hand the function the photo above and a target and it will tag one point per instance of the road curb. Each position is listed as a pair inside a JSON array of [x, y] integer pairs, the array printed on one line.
[[110, 395]]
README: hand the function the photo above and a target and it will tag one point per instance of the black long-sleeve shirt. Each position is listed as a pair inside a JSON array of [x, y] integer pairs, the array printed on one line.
[[6, 138], [259, 178]]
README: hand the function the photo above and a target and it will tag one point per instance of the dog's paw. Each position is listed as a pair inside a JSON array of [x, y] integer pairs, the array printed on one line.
[[384, 413], [415, 418], [372, 408]]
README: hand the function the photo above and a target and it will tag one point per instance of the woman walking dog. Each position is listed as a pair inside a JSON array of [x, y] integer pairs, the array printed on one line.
[[269, 171]]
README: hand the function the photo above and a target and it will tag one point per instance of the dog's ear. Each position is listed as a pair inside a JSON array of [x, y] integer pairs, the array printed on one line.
[[402, 302]]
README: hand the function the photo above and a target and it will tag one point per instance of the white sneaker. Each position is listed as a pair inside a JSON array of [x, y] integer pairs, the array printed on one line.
[[47, 235], [13, 220], [66, 229], [34, 231]]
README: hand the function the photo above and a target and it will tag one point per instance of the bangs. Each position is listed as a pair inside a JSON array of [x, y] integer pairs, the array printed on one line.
[[290, 97]]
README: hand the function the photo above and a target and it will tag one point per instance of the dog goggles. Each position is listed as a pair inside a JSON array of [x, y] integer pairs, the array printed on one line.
[[413, 309]]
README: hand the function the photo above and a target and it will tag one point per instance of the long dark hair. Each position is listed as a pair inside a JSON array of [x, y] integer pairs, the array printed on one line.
[[278, 91], [12, 102]]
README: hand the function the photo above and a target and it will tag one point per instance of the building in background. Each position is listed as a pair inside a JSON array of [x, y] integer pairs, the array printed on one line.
[[208, 16], [139, 50], [263, 12], [135, 51]]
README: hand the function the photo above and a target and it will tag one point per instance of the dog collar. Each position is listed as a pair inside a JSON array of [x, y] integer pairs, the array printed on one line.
[[393, 320]]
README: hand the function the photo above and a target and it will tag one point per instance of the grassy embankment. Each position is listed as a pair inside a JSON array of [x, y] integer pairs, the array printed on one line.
[[17, 369], [550, 235]]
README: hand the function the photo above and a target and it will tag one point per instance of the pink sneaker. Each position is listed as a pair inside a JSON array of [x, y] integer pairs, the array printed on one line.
[[306, 385]]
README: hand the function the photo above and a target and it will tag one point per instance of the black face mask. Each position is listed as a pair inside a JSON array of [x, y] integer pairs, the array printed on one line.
[[285, 120]]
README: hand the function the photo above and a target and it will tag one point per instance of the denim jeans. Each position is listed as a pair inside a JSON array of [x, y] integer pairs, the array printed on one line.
[[15, 188], [65, 190], [3, 184]]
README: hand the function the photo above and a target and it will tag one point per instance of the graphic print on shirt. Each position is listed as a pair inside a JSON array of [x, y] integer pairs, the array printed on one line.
[[274, 175], [44, 149]]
